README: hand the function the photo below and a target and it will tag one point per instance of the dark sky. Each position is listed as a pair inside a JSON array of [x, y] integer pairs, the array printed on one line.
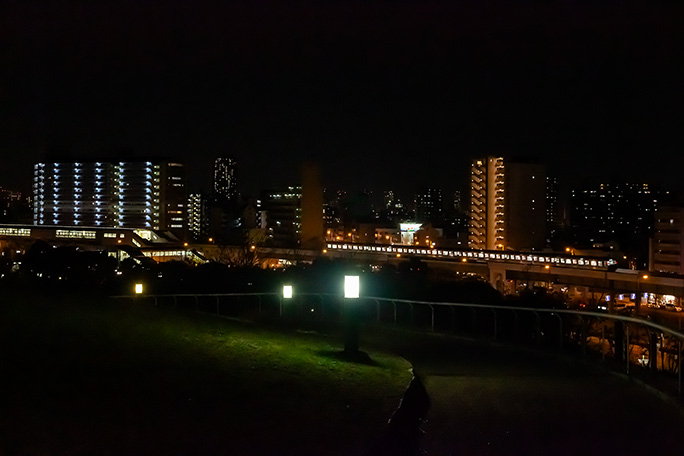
[[382, 95]]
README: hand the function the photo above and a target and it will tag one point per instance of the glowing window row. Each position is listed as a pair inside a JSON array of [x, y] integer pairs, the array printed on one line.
[[475, 255]]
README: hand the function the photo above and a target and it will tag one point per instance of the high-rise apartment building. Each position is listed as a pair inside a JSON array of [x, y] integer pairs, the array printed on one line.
[[552, 209], [554, 220], [9, 200], [507, 204], [487, 204], [622, 212], [225, 180], [667, 246], [429, 207], [281, 215], [198, 216], [388, 199], [458, 204], [132, 194]]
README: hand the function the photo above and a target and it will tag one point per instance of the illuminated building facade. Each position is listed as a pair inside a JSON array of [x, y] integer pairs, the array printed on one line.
[[198, 216], [457, 206], [614, 211], [553, 214], [139, 194], [507, 204], [281, 215], [225, 180], [429, 207], [9, 201], [486, 226], [393, 208], [667, 246]]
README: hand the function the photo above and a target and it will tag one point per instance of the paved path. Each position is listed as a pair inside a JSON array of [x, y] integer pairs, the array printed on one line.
[[500, 401]]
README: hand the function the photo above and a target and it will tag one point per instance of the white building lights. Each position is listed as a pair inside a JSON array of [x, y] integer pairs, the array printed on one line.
[[118, 194]]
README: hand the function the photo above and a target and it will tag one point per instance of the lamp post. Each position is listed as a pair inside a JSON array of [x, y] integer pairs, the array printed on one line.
[[287, 294], [548, 282], [351, 312]]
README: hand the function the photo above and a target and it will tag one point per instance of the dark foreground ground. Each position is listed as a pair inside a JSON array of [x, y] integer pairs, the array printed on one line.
[[102, 378], [118, 379], [492, 400]]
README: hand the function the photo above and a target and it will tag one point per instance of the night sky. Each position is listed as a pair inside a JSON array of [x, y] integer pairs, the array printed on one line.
[[382, 95]]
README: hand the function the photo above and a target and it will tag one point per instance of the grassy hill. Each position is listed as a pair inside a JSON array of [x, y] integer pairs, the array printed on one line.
[[84, 375]]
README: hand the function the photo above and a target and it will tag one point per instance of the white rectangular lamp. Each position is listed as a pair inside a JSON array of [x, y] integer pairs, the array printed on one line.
[[351, 287], [287, 291]]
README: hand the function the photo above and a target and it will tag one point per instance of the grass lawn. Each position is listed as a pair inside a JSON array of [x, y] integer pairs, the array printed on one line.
[[88, 376]]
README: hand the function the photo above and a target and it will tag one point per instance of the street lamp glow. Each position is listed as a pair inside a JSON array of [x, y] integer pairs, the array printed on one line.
[[351, 287], [287, 291], [138, 288]]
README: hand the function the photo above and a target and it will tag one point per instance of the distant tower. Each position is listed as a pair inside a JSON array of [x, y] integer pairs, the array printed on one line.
[[388, 199], [553, 218], [507, 205], [457, 201], [225, 180], [311, 235], [429, 205], [198, 216]]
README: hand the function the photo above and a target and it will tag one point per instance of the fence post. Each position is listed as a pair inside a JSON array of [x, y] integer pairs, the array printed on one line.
[[395, 311], [495, 326], [196, 303], [432, 322], [516, 326], [653, 355], [618, 339], [474, 317], [627, 346], [603, 337], [584, 335], [560, 331], [453, 318], [679, 368], [377, 310], [217, 305]]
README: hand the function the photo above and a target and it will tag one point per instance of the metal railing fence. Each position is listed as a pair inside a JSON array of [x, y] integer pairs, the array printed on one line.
[[636, 344]]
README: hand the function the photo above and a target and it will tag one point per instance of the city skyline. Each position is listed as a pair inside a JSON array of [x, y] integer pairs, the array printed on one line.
[[381, 96]]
